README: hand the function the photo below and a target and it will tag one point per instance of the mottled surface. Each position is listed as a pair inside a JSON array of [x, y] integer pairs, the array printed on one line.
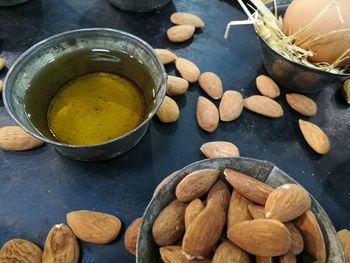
[[38, 187]]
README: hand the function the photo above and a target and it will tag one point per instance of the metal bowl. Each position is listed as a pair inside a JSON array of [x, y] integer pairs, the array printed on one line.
[[18, 95], [148, 251], [12, 2], [139, 5]]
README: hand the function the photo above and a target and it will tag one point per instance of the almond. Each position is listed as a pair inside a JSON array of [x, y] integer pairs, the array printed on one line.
[[164, 181], [259, 259], [182, 33], [346, 91], [207, 114], [14, 138], [2, 63], [287, 202], [165, 55], [227, 252], [181, 18], [264, 106], [196, 184], [231, 105], [261, 237], [130, 237], [20, 250], [344, 236], [211, 84], [1, 85], [287, 258], [61, 245], [315, 137], [247, 186], [256, 211], [187, 69], [94, 227], [176, 86], [169, 226], [238, 210], [219, 149], [267, 87], [312, 235], [173, 254], [192, 211], [297, 239], [302, 104], [168, 111]]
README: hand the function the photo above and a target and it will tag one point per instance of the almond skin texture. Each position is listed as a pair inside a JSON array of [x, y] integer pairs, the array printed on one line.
[[231, 105], [182, 33], [176, 86], [227, 252], [219, 149], [287, 258], [169, 226], [20, 250], [259, 259], [313, 237], [264, 106], [61, 246], [165, 55], [256, 211], [173, 254], [315, 137], [94, 227], [267, 87], [297, 239], [14, 138], [192, 211], [238, 210], [302, 104], [181, 18], [344, 236], [287, 202], [2, 63], [1, 85], [187, 69], [211, 84], [261, 237], [247, 186], [163, 182], [130, 237], [207, 114], [168, 111], [196, 184]]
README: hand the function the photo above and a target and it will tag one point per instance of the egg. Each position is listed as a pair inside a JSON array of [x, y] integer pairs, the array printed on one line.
[[329, 37]]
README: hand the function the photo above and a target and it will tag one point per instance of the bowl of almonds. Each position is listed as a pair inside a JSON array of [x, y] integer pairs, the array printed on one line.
[[235, 210]]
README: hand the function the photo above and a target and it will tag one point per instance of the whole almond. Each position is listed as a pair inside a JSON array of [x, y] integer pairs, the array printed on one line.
[[2, 63], [168, 111], [256, 211], [165, 55], [207, 114], [219, 149], [238, 210], [287, 202], [211, 84], [61, 246], [169, 226], [315, 137], [20, 250], [1, 85], [227, 252], [261, 237], [344, 236], [192, 211], [287, 258], [247, 186], [312, 235], [176, 86], [187, 69], [346, 91], [267, 86], [173, 254], [164, 181], [297, 239], [302, 104], [181, 18], [259, 259], [231, 105], [264, 106], [14, 138], [130, 237], [181, 33], [94, 227], [196, 184]]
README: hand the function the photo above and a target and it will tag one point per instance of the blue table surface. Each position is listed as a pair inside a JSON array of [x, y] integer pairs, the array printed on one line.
[[38, 187]]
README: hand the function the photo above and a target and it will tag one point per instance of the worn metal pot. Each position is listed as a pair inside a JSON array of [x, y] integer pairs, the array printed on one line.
[[139, 5], [12, 2]]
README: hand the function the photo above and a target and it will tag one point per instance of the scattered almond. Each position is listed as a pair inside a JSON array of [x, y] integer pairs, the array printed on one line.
[[173, 254], [168, 111], [165, 55], [94, 227], [130, 237], [259, 259], [227, 252], [344, 236], [287, 258], [2, 63], [181, 33], [297, 239], [181, 18], [20, 250], [315, 137], [256, 211], [238, 210], [14, 138], [192, 211], [346, 91], [211, 84], [1, 85], [187, 69], [231, 105], [302, 104], [207, 114], [219, 149], [264, 106], [267, 86], [164, 181], [176, 86]]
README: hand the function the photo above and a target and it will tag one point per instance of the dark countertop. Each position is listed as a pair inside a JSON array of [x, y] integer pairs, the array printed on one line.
[[38, 188]]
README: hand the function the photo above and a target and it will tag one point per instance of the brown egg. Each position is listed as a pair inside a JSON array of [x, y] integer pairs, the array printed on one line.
[[327, 46]]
